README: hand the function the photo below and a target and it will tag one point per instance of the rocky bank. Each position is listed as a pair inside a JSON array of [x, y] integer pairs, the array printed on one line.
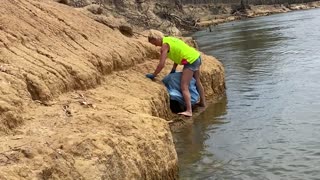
[[74, 101], [226, 13], [174, 17]]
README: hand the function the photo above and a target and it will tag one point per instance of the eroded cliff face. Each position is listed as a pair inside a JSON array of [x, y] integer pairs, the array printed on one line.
[[74, 101], [175, 17]]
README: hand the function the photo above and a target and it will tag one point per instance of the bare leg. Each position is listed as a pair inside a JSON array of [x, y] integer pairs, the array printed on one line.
[[200, 88], [187, 75]]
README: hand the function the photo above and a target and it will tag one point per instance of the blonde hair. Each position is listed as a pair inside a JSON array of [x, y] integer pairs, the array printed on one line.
[[154, 34]]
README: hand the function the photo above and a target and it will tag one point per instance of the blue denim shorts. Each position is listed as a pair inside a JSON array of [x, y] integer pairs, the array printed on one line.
[[194, 66]]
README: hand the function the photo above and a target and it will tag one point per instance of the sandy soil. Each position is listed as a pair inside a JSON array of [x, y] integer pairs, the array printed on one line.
[[74, 101]]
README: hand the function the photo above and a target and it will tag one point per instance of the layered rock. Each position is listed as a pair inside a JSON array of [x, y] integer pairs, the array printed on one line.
[[74, 101]]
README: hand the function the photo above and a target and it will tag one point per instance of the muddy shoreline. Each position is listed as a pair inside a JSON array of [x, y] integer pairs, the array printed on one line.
[[206, 21]]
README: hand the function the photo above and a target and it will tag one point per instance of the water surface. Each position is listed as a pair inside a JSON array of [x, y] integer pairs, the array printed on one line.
[[268, 126]]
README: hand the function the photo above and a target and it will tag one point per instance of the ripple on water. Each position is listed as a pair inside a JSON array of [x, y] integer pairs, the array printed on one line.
[[268, 126]]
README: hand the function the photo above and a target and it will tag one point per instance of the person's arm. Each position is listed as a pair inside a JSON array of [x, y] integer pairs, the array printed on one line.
[[174, 67], [163, 57]]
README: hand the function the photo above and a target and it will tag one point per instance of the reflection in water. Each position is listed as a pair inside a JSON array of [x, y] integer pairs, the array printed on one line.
[[192, 137], [268, 127]]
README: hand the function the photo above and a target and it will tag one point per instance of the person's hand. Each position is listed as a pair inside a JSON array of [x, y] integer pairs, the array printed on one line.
[[172, 71], [150, 76]]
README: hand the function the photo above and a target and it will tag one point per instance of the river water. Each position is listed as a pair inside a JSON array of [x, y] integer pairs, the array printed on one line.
[[268, 126]]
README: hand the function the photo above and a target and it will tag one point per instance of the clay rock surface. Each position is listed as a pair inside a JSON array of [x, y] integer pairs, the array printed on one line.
[[74, 101]]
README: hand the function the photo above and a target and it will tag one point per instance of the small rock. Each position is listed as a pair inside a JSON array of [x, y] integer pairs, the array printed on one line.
[[27, 153], [126, 30]]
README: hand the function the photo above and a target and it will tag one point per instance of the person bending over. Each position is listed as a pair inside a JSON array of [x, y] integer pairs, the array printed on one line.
[[180, 53]]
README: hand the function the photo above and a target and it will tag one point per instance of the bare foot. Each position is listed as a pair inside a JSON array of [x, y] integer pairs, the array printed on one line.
[[186, 113]]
